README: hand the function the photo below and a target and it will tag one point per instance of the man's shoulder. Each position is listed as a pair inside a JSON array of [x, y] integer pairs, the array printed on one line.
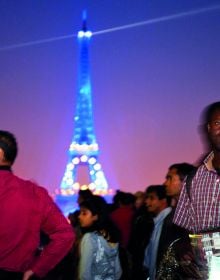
[[169, 218], [29, 187]]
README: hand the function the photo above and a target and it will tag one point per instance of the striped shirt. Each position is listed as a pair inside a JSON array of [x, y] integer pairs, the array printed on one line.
[[200, 210]]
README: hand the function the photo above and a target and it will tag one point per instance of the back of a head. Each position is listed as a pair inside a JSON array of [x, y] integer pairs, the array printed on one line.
[[182, 169], [116, 197], [8, 144], [127, 199], [139, 194], [85, 194]]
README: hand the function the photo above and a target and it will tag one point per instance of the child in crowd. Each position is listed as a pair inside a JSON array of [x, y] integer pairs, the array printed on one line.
[[99, 248]]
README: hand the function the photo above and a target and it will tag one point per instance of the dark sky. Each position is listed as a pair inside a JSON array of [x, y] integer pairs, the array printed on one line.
[[150, 83]]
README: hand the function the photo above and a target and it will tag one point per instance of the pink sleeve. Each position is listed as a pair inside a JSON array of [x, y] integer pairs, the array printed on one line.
[[60, 233]]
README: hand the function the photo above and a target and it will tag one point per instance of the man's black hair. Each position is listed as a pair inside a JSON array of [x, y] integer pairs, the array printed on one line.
[[182, 169], [160, 191], [8, 144]]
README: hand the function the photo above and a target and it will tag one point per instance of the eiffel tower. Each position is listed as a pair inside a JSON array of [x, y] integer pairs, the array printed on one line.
[[84, 149]]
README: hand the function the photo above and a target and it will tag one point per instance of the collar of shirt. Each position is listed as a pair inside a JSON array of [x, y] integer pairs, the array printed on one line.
[[162, 215], [208, 162]]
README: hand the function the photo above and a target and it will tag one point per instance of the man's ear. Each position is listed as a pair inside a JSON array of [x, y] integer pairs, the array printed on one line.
[[208, 127], [2, 155], [3, 161]]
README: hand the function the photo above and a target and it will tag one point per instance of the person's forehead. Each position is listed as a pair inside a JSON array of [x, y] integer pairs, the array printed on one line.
[[151, 195], [84, 209], [172, 172]]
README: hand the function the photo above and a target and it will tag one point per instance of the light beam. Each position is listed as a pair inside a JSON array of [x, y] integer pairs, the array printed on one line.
[[117, 28]]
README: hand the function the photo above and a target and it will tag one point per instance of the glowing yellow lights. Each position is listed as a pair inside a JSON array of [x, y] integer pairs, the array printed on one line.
[[84, 187], [101, 192], [69, 181], [97, 166], [67, 192], [98, 182], [76, 186], [99, 174], [83, 148], [75, 160], [68, 174], [92, 160], [70, 167], [84, 158], [92, 172], [91, 186], [74, 189]]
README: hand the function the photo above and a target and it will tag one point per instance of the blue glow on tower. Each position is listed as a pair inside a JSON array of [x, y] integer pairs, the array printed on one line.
[[84, 150]]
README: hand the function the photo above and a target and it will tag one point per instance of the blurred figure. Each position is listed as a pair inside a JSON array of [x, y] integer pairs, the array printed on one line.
[[174, 179], [83, 195], [139, 199], [142, 227], [139, 205], [123, 215], [99, 247], [198, 209], [26, 211]]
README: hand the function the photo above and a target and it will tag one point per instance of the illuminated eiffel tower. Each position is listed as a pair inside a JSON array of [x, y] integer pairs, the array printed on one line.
[[84, 150]]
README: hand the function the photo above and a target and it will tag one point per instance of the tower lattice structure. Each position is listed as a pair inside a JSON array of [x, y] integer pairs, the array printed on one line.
[[84, 149]]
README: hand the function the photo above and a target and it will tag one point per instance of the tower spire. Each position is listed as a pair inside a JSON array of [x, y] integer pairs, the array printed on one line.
[[84, 20]]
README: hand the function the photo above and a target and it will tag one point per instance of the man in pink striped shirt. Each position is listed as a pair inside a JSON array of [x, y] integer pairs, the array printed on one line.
[[198, 209]]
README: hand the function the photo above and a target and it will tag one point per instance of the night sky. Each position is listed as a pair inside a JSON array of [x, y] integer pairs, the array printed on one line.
[[154, 68]]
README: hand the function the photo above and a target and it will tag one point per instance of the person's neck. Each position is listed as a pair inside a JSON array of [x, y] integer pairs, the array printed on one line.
[[5, 167], [216, 162], [174, 201]]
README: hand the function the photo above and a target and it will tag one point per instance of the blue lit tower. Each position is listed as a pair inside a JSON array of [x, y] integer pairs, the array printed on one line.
[[84, 150]]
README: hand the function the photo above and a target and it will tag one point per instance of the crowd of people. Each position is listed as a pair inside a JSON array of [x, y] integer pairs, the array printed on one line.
[[167, 231]]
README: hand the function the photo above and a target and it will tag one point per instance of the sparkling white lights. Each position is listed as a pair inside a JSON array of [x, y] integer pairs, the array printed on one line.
[[86, 34]]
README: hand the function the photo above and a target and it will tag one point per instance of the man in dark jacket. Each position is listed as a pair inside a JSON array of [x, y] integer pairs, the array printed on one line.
[[164, 233]]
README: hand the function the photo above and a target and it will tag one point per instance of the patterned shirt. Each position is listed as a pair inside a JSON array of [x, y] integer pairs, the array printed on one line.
[[200, 210], [99, 260]]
